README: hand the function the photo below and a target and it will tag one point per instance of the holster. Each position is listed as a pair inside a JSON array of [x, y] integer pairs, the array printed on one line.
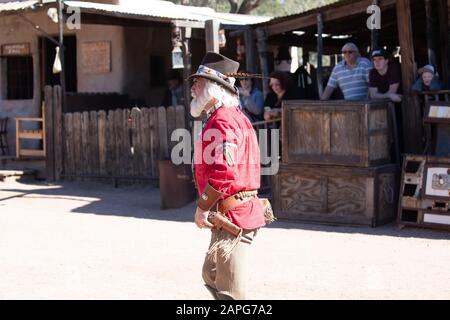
[[221, 222], [208, 198]]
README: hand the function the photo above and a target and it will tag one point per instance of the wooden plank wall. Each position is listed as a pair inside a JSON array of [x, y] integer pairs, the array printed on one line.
[[97, 143]]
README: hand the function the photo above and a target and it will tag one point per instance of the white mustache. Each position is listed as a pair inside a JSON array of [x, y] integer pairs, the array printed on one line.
[[198, 104]]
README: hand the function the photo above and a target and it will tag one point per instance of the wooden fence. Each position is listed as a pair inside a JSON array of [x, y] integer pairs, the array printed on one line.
[[99, 144]]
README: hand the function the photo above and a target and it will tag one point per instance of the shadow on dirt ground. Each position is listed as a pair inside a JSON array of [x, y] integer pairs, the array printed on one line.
[[142, 201]]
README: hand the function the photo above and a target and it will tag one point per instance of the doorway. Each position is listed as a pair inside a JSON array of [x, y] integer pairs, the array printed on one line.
[[48, 50]]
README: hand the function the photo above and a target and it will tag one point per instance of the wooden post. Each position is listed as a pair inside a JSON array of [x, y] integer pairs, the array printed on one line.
[[319, 54], [261, 36], [444, 37], [250, 62], [374, 33], [187, 71], [49, 134], [58, 131], [430, 33], [305, 56], [412, 121], [212, 35]]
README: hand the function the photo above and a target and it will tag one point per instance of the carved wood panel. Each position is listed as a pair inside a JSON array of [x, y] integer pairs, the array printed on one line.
[[347, 196], [387, 196], [300, 194]]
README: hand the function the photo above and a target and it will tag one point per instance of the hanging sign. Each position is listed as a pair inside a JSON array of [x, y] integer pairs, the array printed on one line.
[[16, 49]]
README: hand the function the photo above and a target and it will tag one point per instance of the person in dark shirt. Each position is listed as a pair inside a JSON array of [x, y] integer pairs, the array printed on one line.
[[385, 78], [280, 86]]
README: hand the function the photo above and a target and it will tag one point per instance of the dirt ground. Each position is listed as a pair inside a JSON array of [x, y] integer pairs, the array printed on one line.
[[94, 241]]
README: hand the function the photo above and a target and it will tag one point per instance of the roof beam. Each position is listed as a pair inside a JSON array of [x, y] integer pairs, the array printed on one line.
[[329, 13]]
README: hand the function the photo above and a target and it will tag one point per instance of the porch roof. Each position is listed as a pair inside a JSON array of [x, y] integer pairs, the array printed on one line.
[[154, 10]]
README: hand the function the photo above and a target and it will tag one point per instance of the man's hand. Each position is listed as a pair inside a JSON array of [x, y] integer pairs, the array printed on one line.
[[395, 97], [201, 219]]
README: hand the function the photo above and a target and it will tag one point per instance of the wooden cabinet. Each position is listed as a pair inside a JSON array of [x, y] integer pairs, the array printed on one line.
[[336, 194], [336, 132]]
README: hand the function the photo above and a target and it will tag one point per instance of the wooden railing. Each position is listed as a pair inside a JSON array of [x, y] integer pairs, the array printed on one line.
[[425, 98], [440, 95]]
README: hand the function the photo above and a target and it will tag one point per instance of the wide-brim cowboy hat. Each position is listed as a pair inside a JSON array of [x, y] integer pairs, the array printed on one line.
[[216, 67]]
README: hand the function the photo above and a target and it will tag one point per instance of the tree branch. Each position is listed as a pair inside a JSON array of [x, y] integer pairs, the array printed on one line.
[[247, 6], [233, 6]]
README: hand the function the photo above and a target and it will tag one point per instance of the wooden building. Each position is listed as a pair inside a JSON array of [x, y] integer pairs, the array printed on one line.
[[117, 52], [418, 30], [335, 154]]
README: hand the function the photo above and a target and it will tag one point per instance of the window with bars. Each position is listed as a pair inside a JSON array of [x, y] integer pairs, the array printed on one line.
[[19, 78]]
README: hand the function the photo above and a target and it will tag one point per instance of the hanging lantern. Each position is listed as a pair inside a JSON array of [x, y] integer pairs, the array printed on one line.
[[177, 53], [222, 38]]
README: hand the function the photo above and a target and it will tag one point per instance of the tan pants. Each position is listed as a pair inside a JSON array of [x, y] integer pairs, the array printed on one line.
[[227, 280]]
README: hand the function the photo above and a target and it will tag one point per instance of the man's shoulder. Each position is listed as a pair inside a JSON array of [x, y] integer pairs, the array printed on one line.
[[339, 65], [225, 114], [364, 61]]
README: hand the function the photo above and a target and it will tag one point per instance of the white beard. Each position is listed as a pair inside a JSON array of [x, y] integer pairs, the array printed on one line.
[[198, 104]]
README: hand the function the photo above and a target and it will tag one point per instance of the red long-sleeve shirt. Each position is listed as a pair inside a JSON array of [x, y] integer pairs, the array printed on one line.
[[228, 158]]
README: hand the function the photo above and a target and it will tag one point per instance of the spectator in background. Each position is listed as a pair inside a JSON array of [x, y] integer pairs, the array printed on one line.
[[351, 75], [251, 98], [280, 86], [385, 78], [384, 83], [174, 93], [428, 80]]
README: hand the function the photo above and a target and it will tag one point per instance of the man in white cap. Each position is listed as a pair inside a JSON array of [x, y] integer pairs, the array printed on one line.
[[351, 75], [428, 80], [227, 174]]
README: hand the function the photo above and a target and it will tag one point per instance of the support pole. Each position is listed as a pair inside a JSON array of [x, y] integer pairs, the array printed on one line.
[[412, 119], [212, 35], [444, 38], [187, 71], [250, 62], [60, 136], [430, 33], [374, 34], [319, 54], [261, 36]]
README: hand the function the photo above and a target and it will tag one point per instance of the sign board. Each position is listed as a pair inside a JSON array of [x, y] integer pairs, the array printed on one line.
[[437, 112], [16, 49], [437, 182], [96, 57]]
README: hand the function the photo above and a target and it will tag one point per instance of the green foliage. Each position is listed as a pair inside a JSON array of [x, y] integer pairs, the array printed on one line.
[[272, 8]]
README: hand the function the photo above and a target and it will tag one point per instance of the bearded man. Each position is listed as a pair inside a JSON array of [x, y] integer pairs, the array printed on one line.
[[227, 173]]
